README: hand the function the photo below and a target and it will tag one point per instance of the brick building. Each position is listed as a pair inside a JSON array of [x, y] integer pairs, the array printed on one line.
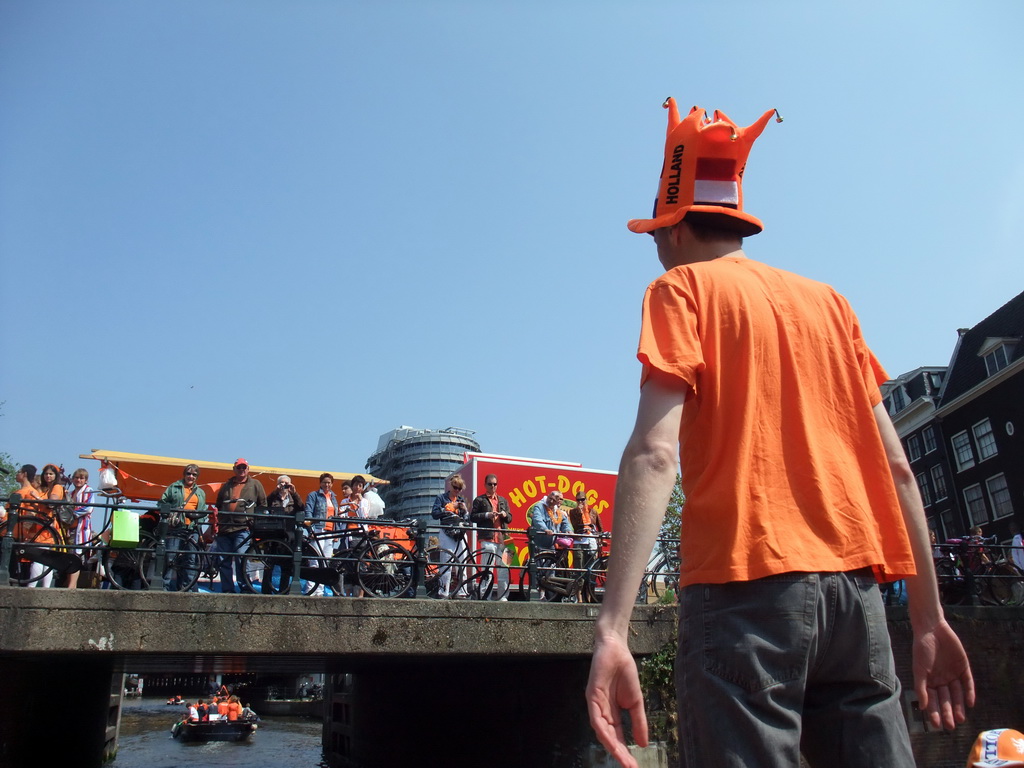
[[961, 426]]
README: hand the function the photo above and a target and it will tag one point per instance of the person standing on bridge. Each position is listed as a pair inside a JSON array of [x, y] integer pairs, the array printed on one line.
[[231, 527], [451, 510], [184, 497], [763, 383], [23, 496], [548, 520], [492, 514], [585, 523]]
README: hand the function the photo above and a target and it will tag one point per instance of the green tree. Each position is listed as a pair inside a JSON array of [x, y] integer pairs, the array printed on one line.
[[674, 512], [7, 469]]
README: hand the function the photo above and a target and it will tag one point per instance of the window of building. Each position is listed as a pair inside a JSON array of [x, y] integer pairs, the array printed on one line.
[[939, 482], [922, 484], [962, 451], [949, 528], [985, 439], [929, 439], [999, 496], [914, 448], [998, 358], [898, 398], [974, 501]]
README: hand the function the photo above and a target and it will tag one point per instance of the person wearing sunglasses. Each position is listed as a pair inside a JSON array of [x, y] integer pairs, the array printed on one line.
[[183, 496], [491, 515]]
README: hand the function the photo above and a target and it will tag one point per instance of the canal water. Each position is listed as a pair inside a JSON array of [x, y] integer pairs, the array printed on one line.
[[145, 742]]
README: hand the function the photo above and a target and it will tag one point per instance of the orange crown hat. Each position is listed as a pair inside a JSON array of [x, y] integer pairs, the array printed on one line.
[[999, 747], [702, 177]]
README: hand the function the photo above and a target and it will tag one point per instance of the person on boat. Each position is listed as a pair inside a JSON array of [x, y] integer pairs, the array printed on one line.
[[193, 712], [248, 713], [204, 711], [222, 708], [234, 708]]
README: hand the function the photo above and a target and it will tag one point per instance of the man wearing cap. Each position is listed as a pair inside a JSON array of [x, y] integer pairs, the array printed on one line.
[[492, 514], [239, 495], [799, 499], [585, 523]]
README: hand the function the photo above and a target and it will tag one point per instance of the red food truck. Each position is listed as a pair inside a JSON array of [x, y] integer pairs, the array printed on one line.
[[524, 482]]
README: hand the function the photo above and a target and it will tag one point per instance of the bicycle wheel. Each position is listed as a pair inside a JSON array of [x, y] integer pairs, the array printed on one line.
[[438, 566], [384, 569], [489, 576], [547, 564], [479, 576], [182, 567], [268, 569], [952, 588], [316, 569], [131, 568], [38, 546], [597, 574], [663, 581], [1005, 583]]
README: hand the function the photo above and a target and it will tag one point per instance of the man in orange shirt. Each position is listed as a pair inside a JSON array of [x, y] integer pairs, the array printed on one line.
[[798, 500]]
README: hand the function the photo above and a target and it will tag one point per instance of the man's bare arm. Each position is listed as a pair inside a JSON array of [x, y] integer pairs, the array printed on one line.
[[647, 475], [942, 674]]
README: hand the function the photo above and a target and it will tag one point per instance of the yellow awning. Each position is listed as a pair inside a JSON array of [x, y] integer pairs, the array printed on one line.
[[144, 477]]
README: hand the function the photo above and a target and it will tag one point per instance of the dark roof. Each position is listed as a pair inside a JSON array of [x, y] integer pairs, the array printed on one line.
[[966, 369]]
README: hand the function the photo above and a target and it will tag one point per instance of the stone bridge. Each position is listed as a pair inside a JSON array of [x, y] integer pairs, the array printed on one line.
[[398, 669]]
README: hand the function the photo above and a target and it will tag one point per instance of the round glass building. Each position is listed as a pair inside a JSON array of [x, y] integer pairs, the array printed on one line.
[[417, 462]]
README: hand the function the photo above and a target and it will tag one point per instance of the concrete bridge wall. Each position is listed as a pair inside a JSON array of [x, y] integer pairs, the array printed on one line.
[[417, 671], [402, 671]]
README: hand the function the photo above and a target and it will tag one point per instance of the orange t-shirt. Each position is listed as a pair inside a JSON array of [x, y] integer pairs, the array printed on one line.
[[782, 464], [56, 493], [24, 531]]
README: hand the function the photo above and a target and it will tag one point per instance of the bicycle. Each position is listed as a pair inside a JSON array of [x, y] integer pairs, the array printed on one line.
[[478, 574], [39, 548], [560, 580], [663, 577], [380, 566], [270, 557], [967, 572], [184, 559]]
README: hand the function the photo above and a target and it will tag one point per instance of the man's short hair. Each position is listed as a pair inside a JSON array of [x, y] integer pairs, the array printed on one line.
[[358, 479], [29, 470], [193, 467], [488, 478], [709, 227]]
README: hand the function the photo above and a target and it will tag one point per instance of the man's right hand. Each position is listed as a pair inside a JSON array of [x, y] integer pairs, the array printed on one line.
[[614, 686]]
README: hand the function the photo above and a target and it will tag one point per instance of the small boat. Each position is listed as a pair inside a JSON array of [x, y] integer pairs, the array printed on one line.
[[214, 730]]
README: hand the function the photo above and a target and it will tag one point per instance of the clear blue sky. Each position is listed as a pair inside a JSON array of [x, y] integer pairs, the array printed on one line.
[[280, 229]]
